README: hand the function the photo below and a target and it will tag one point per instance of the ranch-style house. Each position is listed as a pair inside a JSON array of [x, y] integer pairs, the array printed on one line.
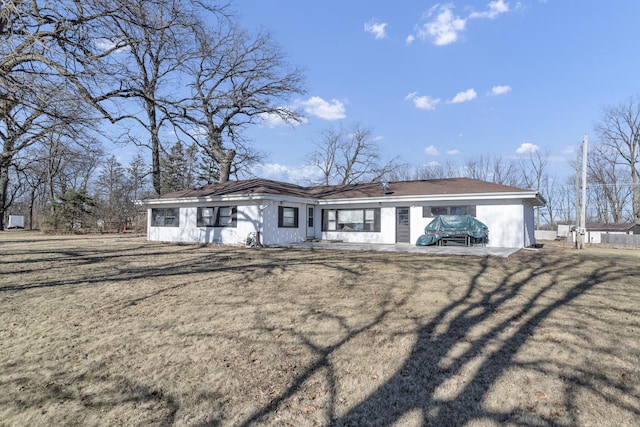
[[385, 213]]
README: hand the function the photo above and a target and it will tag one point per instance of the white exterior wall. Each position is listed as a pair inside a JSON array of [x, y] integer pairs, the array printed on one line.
[[271, 234], [189, 232], [418, 223], [387, 232], [510, 223], [16, 221], [505, 221], [529, 225], [596, 236]]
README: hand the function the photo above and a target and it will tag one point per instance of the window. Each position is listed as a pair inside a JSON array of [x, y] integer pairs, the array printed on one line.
[[287, 217], [310, 217], [351, 219], [431, 211], [165, 217], [218, 216]]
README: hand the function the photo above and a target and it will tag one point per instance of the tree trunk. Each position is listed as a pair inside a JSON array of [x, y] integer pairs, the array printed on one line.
[[636, 201], [4, 186], [155, 148], [32, 201], [225, 165]]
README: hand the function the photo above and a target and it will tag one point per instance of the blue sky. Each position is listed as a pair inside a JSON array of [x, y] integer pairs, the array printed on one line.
[[449, 81]]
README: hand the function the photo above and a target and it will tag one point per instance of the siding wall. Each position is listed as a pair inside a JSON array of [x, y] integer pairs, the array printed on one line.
[[596, 236], [529, 225], [505, 222], [418, 223], [189, 232], [272, 235]]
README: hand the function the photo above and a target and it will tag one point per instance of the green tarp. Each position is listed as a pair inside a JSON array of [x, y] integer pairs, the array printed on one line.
[[453, 225]]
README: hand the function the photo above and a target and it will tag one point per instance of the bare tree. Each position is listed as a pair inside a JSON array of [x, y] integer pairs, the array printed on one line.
[[236, 79], [30, 122], [349, 156], [551, 192], [46, 61], [137, 172], [324, 158], [619, 130], [438, 170], [493, 169], [565, 202], [609, 180], [150, 41], [534, 173], [112, 195]]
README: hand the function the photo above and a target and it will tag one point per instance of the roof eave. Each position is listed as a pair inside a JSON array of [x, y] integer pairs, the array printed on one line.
[[228, 198], [536, 198]]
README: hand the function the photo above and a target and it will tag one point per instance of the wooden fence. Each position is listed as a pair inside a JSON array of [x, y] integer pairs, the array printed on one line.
[[621, 240]]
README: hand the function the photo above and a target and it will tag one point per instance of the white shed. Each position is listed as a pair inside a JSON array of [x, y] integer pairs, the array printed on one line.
[[15, 221]]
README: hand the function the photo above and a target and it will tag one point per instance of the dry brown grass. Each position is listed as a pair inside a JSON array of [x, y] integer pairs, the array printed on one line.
[[120, 331]]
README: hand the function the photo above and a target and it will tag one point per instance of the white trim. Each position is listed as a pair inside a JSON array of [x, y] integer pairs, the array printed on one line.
[[534, 197], [432, 197]]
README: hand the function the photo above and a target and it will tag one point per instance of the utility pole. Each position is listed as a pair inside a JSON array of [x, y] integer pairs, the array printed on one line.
[[576, 226], [583, 205]]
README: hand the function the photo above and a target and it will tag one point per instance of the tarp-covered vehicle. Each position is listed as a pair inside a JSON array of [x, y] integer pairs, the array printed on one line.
[[448, 226]]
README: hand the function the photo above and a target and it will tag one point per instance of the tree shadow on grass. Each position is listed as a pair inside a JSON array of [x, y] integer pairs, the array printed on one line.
[[460, 353], [466, 335]]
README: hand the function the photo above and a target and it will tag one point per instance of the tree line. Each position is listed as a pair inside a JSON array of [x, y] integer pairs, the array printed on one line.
[[181, 80], [152, 67]]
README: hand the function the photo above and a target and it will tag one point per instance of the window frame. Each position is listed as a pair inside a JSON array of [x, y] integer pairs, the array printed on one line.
[[167, 213], [281, 216], [331, 220], [216, 215]]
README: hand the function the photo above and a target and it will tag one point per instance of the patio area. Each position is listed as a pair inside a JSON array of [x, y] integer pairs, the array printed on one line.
[[408, 247]]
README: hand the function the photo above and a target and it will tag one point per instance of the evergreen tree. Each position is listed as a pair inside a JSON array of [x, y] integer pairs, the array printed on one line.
[[73, 212], [178, 168]]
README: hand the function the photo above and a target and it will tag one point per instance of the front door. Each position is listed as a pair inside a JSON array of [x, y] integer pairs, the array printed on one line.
[[403, 229], [311, 218]]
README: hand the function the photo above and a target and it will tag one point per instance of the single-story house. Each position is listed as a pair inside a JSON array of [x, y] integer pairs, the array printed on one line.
[[395, 212], [595, 230]]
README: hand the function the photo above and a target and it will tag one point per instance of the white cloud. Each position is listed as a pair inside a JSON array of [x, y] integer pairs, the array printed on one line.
[[444, 29], [432, 150], [295, 174], [446, 26], [273, 120], [378, 29], [316, 106], [105, 45], [433, 164], [495, 8], [453, 152], [410, 39], [527, 147], [467, 95], [422, 102], [500, 90]]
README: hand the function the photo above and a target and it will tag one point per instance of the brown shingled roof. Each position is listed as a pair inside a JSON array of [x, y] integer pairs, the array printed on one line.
[[249, 186], [349, 191], [413, 188], [599, 226]]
